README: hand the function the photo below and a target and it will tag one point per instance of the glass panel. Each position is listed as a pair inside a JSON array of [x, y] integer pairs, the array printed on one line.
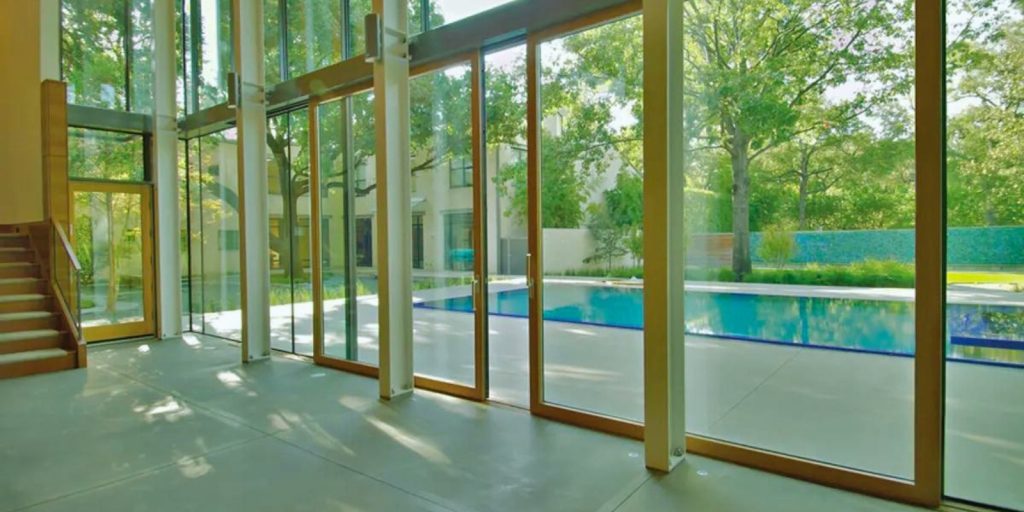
[[443, 335], [108, 242], [800, 206], [347, 189], [140, 55], [508, 334], [314, 35], [985, 254], [447, 11], [221, 284], [195, 234], [358, 9], [281, 210], [183, 240], [271, 42], [301, 239], [591, 214], [210, 56], [114, 71], [103, 155]]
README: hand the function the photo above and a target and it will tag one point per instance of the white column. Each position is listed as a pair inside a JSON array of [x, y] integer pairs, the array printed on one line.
[[664, 422], [49, 39], [165, 171], [254, 234], [394, 213]]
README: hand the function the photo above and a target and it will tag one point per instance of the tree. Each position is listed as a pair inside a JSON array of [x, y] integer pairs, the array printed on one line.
[[986, 154], [752, 66], [609, 237]]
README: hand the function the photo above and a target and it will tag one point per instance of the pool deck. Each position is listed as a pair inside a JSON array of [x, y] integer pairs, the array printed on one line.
[[851, 409]]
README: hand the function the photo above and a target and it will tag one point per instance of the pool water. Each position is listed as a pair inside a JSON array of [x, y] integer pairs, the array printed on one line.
[[976, 332]]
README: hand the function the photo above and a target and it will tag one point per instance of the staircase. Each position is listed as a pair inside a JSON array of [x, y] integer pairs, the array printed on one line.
[[34, 336]]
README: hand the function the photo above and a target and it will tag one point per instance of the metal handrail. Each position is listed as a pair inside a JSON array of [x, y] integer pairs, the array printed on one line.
[[74, 270]]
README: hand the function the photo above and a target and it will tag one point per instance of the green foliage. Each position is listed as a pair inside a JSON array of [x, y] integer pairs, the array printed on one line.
[[609, 236], [778, 244]]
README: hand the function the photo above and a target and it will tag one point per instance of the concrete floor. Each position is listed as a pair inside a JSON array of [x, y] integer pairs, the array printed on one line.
[[849, 409], [182, 425]]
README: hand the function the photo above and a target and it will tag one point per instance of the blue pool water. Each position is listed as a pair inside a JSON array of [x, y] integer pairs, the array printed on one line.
[[984, 333]]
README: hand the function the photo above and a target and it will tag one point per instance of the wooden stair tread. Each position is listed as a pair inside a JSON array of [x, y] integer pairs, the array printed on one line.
[[32, 355], [9, 337], [21, 296], [16, 280], [9, 264], [25, 315]]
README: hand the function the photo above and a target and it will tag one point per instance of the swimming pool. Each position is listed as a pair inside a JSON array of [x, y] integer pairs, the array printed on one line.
[[976, 332]]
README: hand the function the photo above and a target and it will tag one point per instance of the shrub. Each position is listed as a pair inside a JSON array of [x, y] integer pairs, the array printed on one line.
[[778, 244]]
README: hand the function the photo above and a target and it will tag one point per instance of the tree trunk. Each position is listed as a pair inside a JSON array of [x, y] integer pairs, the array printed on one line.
[[112, 276], [740, 157], [805, 179]]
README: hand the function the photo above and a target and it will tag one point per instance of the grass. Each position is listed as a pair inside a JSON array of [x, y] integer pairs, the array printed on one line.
[[867, 274], [985, 278]]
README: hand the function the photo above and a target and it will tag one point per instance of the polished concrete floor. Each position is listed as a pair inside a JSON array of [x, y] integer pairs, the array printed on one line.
[[182, 425]]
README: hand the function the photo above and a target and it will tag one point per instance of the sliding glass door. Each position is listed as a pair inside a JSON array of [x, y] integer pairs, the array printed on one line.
[[448, 286], [343, 204], [985, 254], [585, 212]]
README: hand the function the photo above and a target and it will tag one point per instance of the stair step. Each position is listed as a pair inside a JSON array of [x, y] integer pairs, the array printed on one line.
[[27, 341], [14, 240], [19, 269], [13, 254], [27, 321], [35, 361], [21, 285], [24, 302]]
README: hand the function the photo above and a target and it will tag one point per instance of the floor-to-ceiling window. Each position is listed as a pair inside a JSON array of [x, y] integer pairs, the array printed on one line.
[[215, 281], [346, 146], [985, 253], [800, 208], [590, 219]]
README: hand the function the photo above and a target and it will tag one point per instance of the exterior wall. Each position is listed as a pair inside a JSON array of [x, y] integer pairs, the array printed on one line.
[[20, 106]]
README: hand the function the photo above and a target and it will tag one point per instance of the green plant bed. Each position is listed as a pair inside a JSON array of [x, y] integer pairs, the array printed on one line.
[[867, 274]]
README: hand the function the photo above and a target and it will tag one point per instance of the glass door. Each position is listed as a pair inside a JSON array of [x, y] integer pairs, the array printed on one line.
[[343, 239], [585, 210], [448, 337], [112, 237]]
